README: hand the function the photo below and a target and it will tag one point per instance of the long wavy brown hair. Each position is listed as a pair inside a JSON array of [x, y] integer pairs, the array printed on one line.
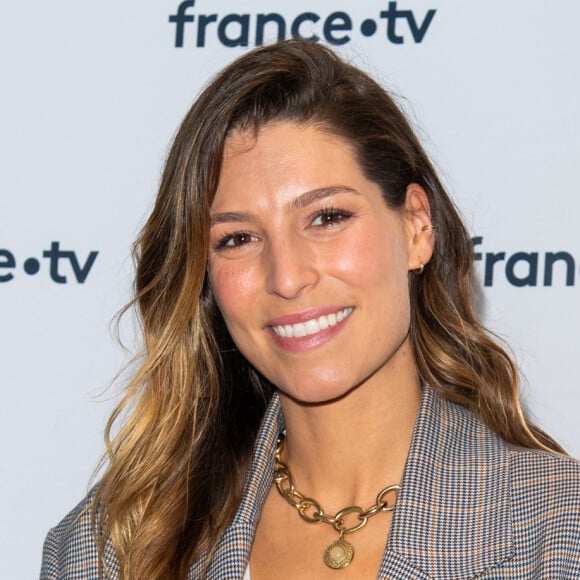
[[177, 464]]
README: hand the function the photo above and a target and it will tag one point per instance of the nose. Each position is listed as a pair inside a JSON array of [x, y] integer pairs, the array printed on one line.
[[290, 267]]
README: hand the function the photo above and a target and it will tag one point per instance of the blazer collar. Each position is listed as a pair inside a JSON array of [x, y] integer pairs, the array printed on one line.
[[261, 473], [453, 513]]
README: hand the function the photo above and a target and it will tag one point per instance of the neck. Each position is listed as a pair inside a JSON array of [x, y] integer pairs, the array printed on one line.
[[345, 451]]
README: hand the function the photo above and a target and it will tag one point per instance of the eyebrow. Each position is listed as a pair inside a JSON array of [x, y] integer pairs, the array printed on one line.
[[303, 200], [313, 195]]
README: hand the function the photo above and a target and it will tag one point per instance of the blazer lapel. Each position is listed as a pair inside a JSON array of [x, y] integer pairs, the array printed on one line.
[[453, 513]]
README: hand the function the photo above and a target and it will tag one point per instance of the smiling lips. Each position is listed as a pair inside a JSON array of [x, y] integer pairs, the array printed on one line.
[[312, 326]]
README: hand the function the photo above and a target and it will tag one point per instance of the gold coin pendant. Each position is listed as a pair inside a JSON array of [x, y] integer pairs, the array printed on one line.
[[338, 554]]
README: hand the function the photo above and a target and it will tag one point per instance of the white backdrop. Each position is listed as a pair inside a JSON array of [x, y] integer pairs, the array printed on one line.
[[92, 92]]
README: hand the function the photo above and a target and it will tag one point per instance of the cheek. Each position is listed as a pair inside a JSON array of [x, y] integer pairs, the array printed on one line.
[[371, 259], [234, 289]]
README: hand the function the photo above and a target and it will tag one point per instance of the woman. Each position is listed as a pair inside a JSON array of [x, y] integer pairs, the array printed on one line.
[[316, 392]]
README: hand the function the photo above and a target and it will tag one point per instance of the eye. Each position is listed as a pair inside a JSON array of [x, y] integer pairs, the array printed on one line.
[[330, 217], [235, 240]]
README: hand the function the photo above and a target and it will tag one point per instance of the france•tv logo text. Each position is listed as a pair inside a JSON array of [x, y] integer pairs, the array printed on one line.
[[396, 25], [55, 259]]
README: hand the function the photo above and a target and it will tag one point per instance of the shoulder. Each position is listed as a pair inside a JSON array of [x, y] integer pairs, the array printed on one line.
[[545, 503], [543, 487], [540, 489], [540, 480], [536, 467], [70, 551], [547, 484]]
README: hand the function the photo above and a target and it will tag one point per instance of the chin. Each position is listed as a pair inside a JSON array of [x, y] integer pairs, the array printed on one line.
[[322, 394]]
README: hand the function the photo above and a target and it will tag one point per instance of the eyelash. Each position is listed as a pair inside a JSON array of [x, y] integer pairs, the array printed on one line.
[[337, 215], [332, 215], [223, 242]]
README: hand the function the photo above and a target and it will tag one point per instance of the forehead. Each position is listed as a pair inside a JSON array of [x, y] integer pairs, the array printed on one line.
[[284, 159], [280, 136]]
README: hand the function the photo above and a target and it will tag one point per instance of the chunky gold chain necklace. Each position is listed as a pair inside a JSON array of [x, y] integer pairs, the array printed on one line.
[[338, 554]]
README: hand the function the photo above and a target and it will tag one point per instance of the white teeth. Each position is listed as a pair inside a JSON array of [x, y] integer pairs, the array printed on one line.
[[299, 330], [313, 326]]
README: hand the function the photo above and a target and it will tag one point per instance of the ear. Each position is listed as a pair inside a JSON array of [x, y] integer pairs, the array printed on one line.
[[420, 235]]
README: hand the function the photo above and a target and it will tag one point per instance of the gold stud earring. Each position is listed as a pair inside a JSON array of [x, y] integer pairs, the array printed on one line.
[[418, 271]]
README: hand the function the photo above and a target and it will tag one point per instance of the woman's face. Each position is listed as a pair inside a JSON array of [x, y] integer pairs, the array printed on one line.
[[308, 265]]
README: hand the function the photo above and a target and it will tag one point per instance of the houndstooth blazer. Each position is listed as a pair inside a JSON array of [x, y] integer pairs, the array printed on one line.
[[470, 506]]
